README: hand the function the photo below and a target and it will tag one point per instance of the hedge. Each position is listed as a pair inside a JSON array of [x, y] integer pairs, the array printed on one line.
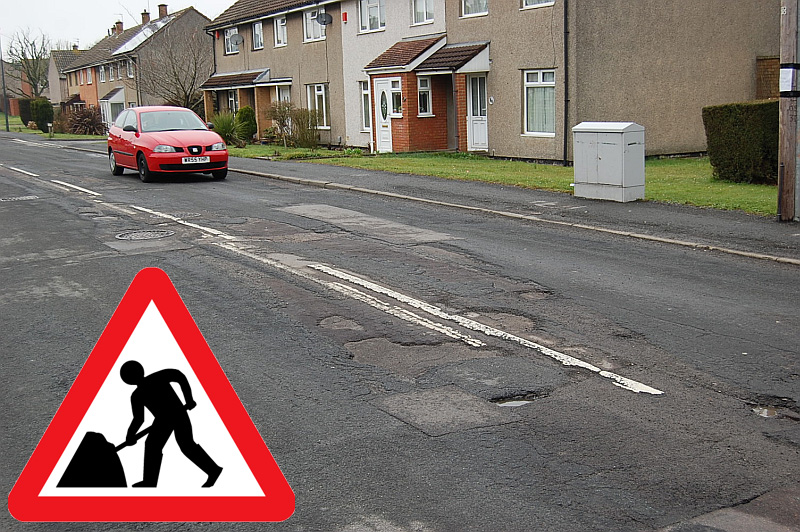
[[742, 141], [42, 113], [25, 111]]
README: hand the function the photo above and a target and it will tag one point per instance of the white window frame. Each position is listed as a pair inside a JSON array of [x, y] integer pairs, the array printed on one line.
[[281, 35], [233, 101], [283, 89], [129, 66], [539, 82], [365, 7], [533, 4], [101, 73], [258, 35], [366, 106], [111, 72], [230, 47], [119, 69], [426, 10], [396, 92], [81, 73], [424, 88], [89, 76], [313, 31], [464, 13], [319, 90]]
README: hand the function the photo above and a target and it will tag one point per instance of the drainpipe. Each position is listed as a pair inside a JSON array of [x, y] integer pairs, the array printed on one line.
[[566, 81], [455, 110]]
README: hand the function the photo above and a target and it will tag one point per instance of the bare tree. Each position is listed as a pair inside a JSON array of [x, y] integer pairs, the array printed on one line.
[[30, 57], [175, 65]]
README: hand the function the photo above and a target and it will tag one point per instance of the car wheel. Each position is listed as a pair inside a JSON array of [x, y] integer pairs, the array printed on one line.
[[112, 162], [220, 174], [144, 172]]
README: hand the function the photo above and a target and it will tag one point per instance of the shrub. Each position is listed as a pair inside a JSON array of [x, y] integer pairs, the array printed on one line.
[[228, 128], [743, 141], [42, 113], [246, 119], [304, 128], [61, 122], [25, 111], [87, 121], [281, 115]]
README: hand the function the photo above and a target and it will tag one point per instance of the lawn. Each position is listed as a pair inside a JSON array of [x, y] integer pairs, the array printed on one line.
[[279, 153], [671, 180], [15, 125]]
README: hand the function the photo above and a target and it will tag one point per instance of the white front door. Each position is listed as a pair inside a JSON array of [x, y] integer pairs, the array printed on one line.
[[477, 124], [383, 115]]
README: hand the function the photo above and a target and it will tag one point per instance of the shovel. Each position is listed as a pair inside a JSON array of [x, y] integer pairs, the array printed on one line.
[[96, 464]]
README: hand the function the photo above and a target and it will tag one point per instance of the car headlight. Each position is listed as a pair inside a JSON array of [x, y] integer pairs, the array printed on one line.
[[217, 146], [162, 148]]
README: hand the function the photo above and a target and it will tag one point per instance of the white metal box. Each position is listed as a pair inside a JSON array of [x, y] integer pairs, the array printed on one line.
[[609, 160]]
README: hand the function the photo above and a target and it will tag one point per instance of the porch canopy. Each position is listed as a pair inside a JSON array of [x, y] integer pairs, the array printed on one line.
[[243, 80], [462, 58]]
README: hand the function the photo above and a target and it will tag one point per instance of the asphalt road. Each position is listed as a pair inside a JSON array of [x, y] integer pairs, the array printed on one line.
[[373, 340]]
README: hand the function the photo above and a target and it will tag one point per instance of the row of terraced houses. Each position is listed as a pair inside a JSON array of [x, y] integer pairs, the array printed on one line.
[[505, 77]]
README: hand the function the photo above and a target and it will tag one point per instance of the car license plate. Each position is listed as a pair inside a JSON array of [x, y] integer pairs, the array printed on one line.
[[195, 160]]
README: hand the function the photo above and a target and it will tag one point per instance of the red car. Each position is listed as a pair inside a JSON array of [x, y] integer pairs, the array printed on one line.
[[165, 139]]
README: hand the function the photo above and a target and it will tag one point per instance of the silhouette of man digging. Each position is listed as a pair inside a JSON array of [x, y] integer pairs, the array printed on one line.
[[155, 393]]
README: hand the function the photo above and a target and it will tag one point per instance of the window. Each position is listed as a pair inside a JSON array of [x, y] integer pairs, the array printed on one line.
[[231, 47], [536, 3], [314, 31], [423, 11], [284, 93], [120, 121], [130, 68], [373, 15], [110, 72], [474, 7], [258, 35], [101, 73], [366, 107], [318, 101], [280, 31], [89, 76], [397, 99], [540, 102], [120, 66], [81, 77], [233, 101], [424, 96]]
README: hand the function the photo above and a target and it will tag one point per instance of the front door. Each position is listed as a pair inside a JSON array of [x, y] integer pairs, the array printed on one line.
[[383, 115], [477, 124]]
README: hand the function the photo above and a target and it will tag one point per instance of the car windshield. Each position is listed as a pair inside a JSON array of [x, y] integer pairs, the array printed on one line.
[[170, 121]]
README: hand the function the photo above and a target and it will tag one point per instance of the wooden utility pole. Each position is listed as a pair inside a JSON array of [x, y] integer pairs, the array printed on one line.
[[787, 154]]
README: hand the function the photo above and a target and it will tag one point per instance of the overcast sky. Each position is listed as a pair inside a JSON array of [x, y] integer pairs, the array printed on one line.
[[87, 21]]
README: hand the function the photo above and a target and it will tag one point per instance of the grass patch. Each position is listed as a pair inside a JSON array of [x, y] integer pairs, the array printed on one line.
[[687, 181], [15, 124], [279, 153]]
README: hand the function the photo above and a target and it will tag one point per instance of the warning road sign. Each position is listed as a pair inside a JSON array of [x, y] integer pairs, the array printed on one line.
[[151, 430]]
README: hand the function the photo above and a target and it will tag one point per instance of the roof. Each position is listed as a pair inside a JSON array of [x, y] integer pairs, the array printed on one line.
[[402, 53], [63, 58], [239, 79], [105, 49], [244, 10], [452, 57], [111, 94]]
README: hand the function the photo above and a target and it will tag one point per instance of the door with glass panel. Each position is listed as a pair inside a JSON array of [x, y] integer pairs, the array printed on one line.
[[477, 120]]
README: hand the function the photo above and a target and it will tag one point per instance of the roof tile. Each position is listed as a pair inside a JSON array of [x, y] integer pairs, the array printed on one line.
[[402, 53]]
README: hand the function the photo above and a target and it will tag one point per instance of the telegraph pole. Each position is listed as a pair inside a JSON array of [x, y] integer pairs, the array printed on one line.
[[788, 169], [3, 76]]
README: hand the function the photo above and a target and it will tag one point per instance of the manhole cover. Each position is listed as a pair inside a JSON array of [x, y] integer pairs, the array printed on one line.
[[148, 234]]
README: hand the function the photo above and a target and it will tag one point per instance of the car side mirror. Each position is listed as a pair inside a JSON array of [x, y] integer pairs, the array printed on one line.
[[210, 125], [129, 128]]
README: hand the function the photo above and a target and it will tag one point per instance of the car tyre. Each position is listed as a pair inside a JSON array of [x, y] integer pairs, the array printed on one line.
[[112, 162], [144, 172], [219, 175]]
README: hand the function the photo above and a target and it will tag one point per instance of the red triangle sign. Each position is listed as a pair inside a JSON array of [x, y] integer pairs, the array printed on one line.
[[151, 430]]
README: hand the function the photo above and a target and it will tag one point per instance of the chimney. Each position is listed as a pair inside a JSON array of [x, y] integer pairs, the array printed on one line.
[[145, 17], [162, 10], [118, 25], [74, 47]]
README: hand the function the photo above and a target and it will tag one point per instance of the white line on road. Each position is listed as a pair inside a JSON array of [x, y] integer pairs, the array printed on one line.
[[21, 171], [175, 219], [76, 187], [564, 359], [353, 293]]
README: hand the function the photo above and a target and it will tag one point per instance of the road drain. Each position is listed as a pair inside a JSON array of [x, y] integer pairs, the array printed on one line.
[[148, 234]]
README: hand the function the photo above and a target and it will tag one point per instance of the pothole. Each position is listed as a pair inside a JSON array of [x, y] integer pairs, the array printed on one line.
[[20, 198], [145, 234], [517, 400], [775, 412], [340, 323]]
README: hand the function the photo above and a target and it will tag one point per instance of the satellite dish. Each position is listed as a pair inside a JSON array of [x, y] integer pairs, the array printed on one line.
[[237, 39], [323, 19]]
